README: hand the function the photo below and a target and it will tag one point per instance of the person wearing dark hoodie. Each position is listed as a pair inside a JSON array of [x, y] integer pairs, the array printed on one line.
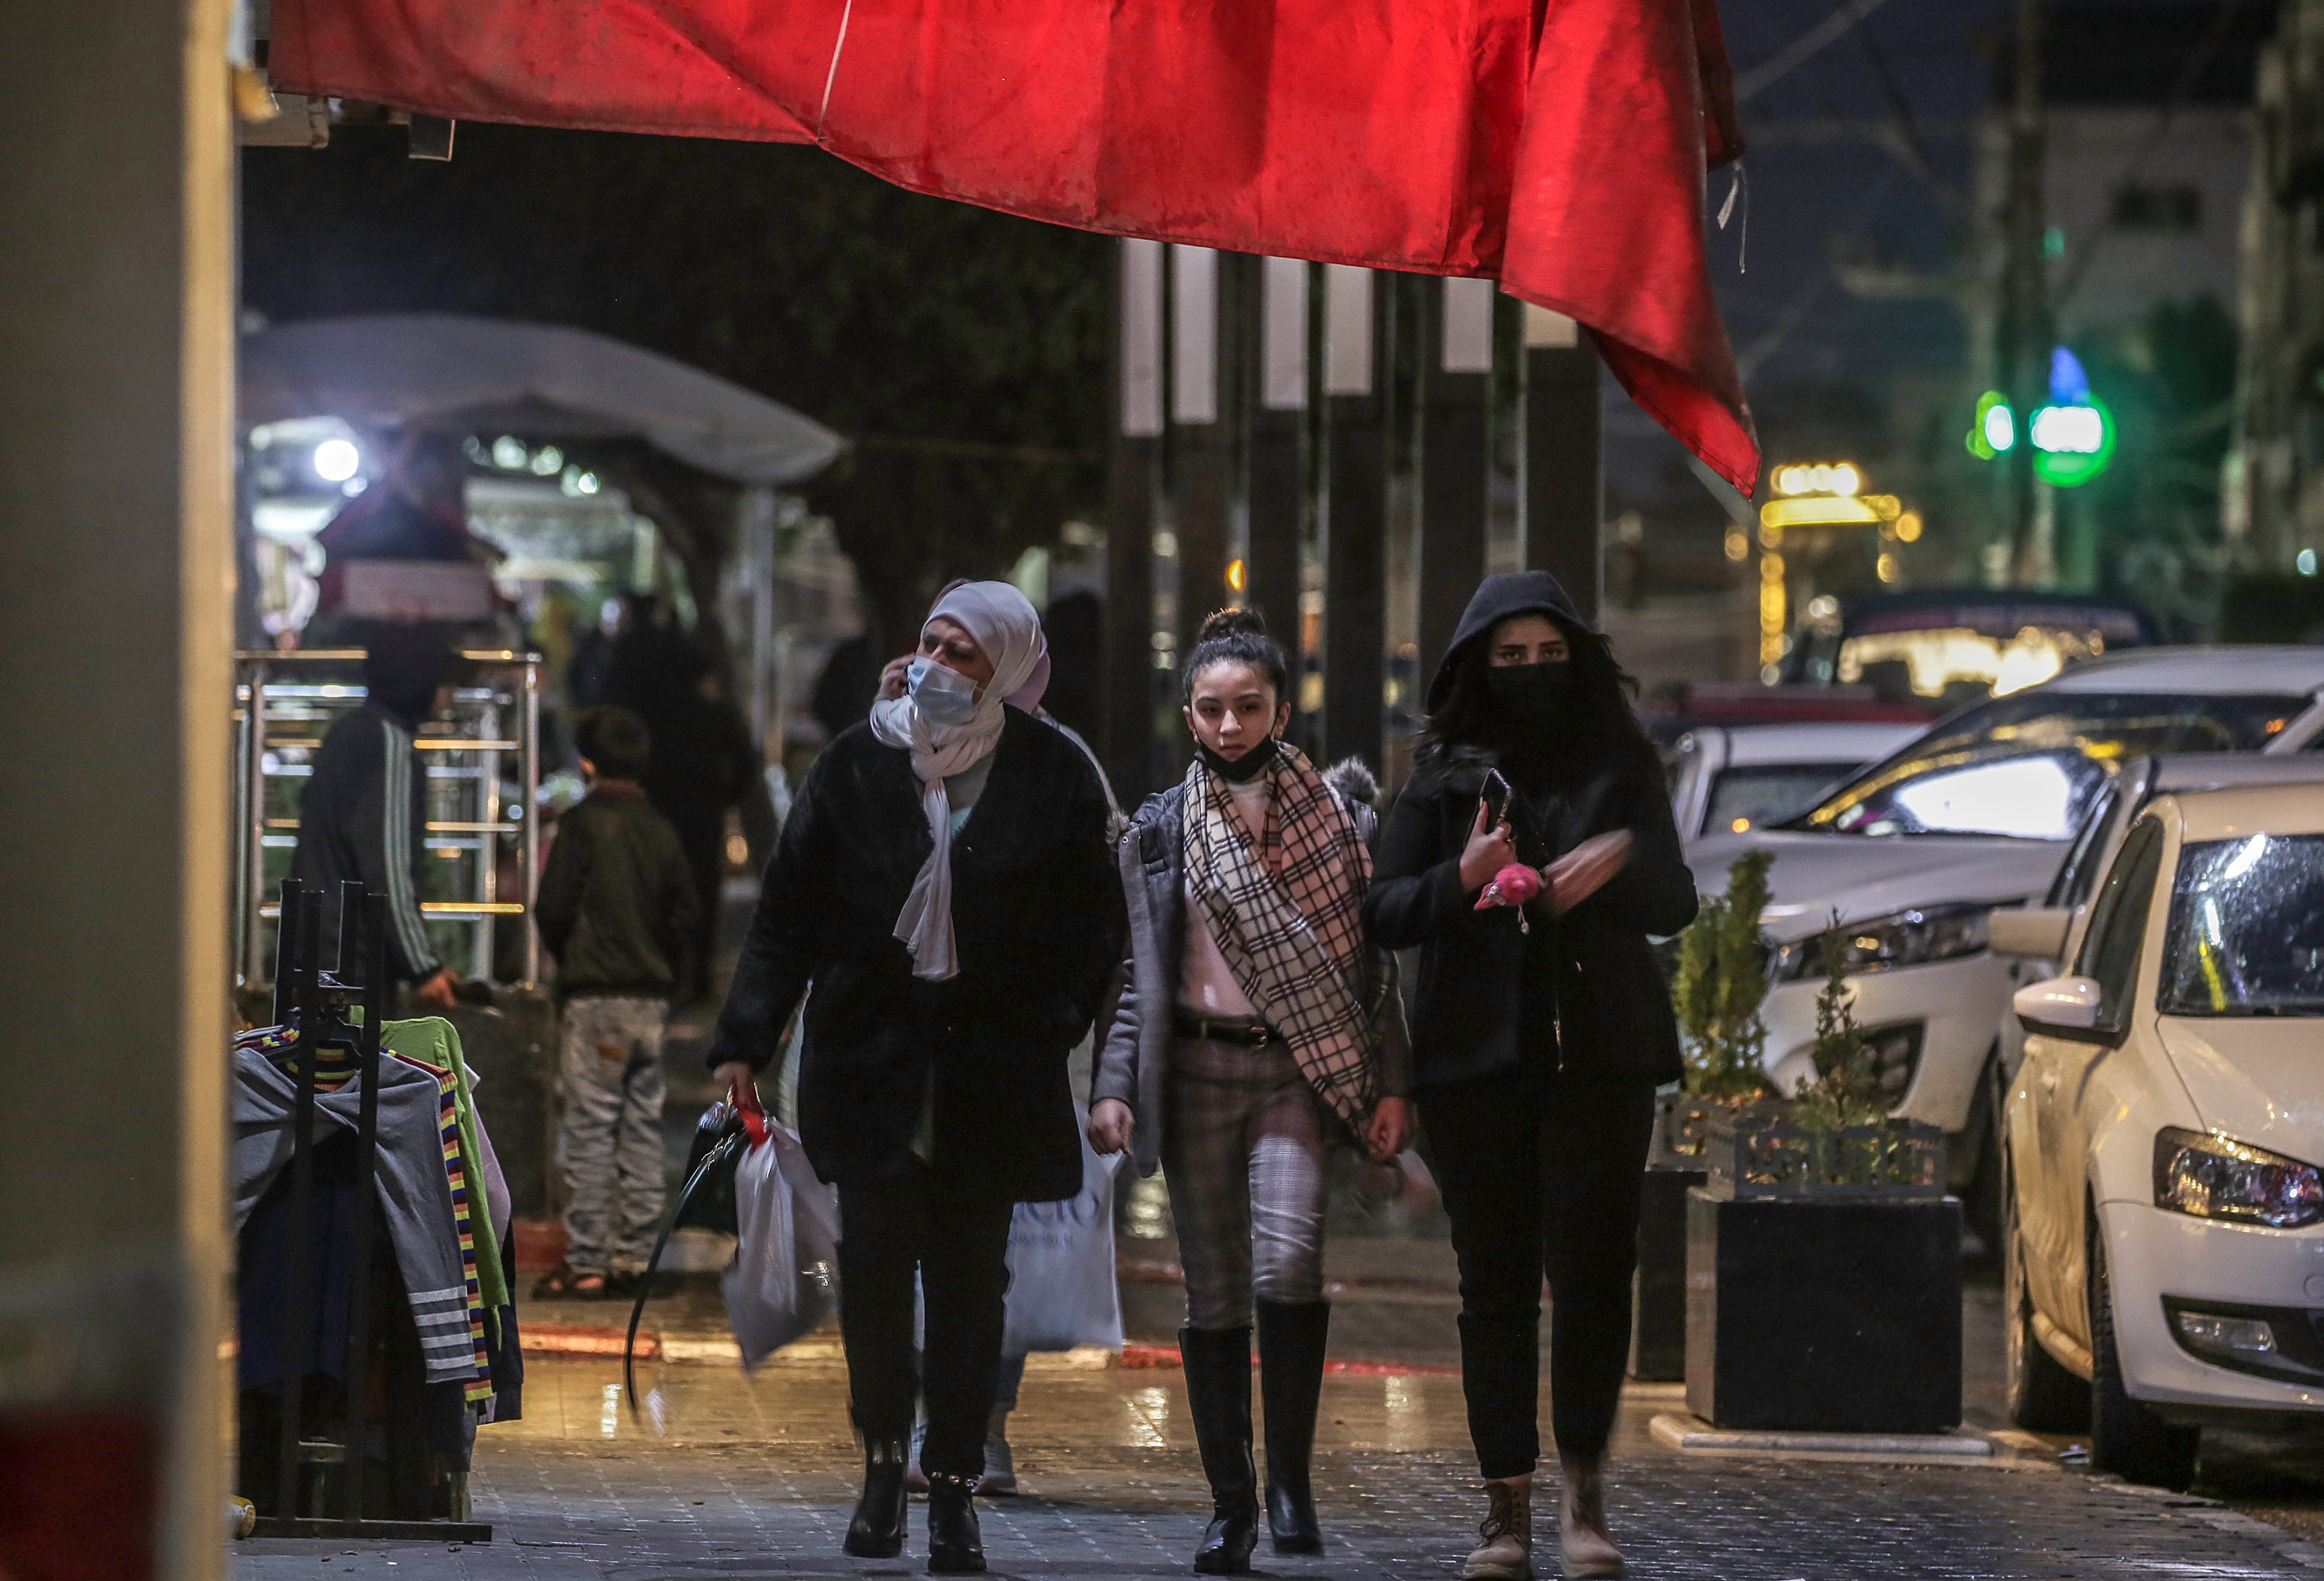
[[363, 814], [1258, 1027], [1540, 1030]]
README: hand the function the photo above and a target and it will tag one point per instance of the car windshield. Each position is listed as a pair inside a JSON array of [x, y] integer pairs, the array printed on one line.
[[2030, 765], [1745, 799], [2247, 935]]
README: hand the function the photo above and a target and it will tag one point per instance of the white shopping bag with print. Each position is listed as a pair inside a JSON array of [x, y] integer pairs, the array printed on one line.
[[784, 1279], [1061, 1293]]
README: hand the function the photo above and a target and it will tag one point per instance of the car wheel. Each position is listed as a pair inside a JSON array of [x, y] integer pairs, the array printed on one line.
[[2043, 1397], [2126, 1437]]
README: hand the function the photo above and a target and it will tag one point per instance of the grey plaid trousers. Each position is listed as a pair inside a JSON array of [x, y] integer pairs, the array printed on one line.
[[1244, 1147]]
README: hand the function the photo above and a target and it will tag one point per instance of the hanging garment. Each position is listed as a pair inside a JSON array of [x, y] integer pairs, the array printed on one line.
[[414, 1186], [1560, 149], [433, 1042]]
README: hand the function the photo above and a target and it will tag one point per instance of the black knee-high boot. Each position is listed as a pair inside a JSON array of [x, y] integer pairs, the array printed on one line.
[[1218, 1392], [877, 1532], [1291, 1379]]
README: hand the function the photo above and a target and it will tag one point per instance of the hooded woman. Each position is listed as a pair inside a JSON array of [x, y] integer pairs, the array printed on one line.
[[1540, 1030], [946, 885], [1258, 1027]]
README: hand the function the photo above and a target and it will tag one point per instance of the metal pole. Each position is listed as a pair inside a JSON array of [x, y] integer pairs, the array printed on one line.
[[488, 840], [2027, 367], [299, 1304], [364, 916], [253, 830], [530, 748]]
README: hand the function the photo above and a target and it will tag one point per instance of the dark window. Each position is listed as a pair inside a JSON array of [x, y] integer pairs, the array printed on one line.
[[2246, 929], [2137, 206], [2118, 924]]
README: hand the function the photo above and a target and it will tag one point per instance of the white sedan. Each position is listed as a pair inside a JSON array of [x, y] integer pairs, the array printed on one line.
[[1732, 778], [2164, 1242], [1917, 851]]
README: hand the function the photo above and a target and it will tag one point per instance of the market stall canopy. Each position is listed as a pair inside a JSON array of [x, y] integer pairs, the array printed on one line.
[[1556, 145], [486, 376]]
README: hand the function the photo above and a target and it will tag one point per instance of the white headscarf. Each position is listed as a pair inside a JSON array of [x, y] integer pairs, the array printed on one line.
[[1005, 626]]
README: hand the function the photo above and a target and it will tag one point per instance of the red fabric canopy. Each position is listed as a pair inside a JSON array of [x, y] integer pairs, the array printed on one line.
[[1557, 145]]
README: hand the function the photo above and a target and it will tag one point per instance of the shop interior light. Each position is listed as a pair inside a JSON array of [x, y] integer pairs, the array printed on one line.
[[338, 460]]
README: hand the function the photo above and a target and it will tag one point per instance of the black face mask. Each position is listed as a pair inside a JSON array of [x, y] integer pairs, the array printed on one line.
[[1239, 770], [1533, 693]]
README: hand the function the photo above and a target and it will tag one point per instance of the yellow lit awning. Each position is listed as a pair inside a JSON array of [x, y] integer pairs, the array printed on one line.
[[1831, 509]]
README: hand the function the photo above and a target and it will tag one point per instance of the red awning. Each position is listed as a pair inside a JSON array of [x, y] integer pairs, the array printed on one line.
[[1557, 145]]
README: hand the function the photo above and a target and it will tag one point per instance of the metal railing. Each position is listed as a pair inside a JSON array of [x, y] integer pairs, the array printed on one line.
[[288, 722]]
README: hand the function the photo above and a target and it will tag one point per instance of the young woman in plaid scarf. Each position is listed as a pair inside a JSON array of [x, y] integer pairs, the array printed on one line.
[[1258, 1027], [1538, 1034]]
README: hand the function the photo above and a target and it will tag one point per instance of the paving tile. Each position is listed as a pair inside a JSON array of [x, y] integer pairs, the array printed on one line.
[[757, 1477]]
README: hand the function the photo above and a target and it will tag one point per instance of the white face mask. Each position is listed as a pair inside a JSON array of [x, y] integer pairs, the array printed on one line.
[[943, 697]]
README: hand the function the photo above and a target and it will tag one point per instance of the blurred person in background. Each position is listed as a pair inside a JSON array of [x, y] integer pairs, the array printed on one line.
[[363, 814], [704, 761], [1536, 1053], [1258, 1028], [944, 884]]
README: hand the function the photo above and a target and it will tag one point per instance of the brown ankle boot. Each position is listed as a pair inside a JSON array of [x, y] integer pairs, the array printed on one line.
[[1586, 1550], [1506, 1550]]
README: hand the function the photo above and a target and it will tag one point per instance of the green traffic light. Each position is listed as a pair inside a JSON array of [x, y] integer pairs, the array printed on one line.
[[1994, 429], [2072, 443]]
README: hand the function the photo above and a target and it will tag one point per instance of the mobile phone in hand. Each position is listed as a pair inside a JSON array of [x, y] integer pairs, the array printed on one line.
[[1496, 796]]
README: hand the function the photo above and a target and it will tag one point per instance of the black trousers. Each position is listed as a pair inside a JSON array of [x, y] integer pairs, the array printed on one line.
[[1541, 1176], [957, 1239]]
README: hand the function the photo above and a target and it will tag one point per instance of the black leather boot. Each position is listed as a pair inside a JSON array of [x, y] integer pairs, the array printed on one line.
[[877, 1532], [1291, 1378], [1218, 1394], [955, 1546]]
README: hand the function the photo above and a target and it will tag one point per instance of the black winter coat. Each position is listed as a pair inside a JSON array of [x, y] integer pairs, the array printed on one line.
[[1609, 1006], [1038, 917]]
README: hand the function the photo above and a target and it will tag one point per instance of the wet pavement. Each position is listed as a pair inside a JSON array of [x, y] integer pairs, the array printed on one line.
[[713, 1473], [755, 1478]]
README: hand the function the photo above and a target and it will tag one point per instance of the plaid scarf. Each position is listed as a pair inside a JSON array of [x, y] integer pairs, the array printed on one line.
[[1289, 920]]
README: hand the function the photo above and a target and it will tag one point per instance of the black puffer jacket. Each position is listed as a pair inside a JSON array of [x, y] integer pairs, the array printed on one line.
[[1036, 914], [1581, 993]]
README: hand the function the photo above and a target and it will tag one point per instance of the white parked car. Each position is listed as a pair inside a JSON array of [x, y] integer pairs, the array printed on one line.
[[1730, 779], [1916, 851], [2164, 1241]]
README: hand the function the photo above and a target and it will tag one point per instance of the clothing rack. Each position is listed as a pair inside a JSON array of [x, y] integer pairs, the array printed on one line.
[[319, 1001]]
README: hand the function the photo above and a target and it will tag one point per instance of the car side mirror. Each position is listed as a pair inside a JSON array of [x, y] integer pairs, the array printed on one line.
[[2063, 1004], [2031, 933]]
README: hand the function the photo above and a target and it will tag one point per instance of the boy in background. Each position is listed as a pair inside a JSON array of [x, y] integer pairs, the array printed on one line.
[[616, 910]]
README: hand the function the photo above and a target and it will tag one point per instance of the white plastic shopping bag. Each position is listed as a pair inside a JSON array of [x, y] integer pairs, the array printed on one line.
[[784, 1278], [1061, 1293]]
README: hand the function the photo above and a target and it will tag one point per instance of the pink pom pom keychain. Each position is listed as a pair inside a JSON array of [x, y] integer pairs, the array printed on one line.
[[1512, 885]]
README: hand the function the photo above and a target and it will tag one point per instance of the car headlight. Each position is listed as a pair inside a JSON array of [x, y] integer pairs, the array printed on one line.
[[1906, 938], [2211, 1177]]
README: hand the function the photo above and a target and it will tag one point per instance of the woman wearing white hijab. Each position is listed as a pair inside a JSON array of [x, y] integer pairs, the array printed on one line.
[[945, 886]]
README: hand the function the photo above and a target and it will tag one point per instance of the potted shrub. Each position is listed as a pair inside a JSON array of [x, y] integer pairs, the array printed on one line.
[[1718, 982], [1823, 1256]]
